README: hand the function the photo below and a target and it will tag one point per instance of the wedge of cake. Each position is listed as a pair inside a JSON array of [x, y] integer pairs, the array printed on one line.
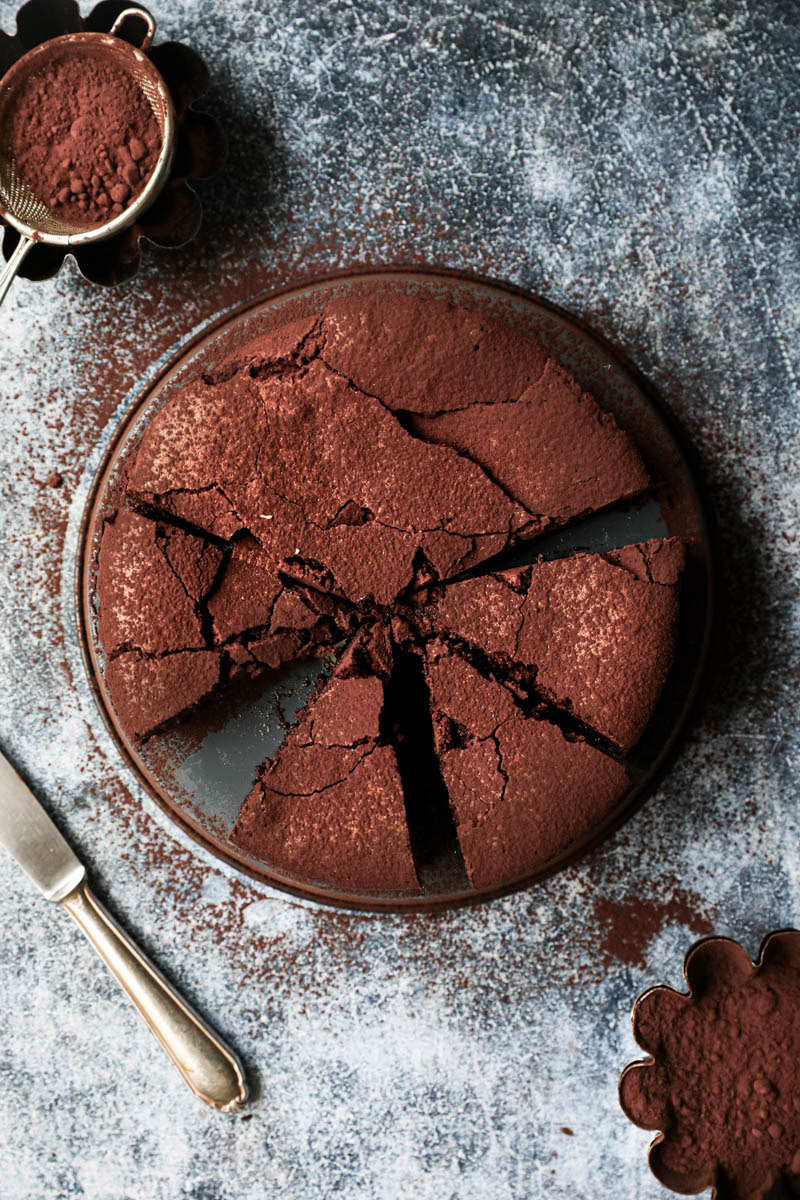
[[594, 633], [151, 582], [329, 807], [521, 792]]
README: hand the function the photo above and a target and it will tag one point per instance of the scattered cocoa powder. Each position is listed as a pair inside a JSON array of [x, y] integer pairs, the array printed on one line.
[[84, 138], [626, 927], [54, 480]]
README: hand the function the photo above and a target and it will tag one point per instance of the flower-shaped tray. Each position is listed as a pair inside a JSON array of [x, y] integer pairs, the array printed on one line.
[[723, 1081], [200, 144], [200, 771]]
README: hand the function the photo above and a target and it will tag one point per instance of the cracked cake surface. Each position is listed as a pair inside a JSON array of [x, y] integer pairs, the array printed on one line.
[[178, 616], [330, 804], [521, 791], [596, 632], [320, 472], [318, 491], [572, 459]]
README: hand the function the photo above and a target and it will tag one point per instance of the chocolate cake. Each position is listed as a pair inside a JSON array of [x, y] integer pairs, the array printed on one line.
[[594, 633], [321, 491], [520, 790]]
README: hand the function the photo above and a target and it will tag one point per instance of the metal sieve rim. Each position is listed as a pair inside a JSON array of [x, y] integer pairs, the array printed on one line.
[[142, 65]]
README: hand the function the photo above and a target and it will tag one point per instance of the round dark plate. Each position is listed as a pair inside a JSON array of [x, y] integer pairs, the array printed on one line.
[[200, 770]]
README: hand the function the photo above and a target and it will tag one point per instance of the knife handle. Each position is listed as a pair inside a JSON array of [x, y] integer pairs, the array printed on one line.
[[208, 1066]]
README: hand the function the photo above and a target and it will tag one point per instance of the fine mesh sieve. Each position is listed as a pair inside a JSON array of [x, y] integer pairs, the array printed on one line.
[[19, 206]]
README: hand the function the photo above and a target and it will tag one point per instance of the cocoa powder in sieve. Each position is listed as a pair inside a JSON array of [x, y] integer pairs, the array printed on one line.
[[84, 138]]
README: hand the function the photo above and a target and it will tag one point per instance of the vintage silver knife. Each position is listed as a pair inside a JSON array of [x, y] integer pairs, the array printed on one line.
[[211, 1069]]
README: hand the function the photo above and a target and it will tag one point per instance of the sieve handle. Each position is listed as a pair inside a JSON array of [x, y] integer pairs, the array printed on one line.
[[13, 265], [144, 45]]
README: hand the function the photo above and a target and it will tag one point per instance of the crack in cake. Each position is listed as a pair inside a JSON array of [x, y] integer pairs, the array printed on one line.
[[521, 790]]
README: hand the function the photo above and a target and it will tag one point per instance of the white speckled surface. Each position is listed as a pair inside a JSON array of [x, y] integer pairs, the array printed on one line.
[[634, 162]]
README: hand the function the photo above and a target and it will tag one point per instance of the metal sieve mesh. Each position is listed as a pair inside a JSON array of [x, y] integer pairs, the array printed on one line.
[[19, 205]]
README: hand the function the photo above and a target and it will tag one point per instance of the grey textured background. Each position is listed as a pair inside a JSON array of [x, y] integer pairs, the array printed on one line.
[[634, 161]]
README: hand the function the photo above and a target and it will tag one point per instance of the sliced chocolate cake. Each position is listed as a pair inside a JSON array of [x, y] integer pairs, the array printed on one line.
[[521, 792], [594, 633], [325, 483]]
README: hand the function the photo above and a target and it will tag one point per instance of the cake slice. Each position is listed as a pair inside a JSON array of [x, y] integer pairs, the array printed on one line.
[[553, 449], [178, 616], [522, 794], [329, 806], [594, 633], [468, 380], [147, 693]]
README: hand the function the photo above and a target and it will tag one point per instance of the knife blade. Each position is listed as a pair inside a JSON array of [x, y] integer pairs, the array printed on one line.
[[209, 1067], [32, 839]]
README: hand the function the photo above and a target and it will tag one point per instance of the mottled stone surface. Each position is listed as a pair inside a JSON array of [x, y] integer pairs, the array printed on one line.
[[634, 162]]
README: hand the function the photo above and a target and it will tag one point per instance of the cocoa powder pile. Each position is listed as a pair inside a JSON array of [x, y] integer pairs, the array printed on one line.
[[84, 138], [724, 1082]]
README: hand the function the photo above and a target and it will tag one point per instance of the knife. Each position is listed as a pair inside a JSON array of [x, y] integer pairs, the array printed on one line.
[[208, 1066]]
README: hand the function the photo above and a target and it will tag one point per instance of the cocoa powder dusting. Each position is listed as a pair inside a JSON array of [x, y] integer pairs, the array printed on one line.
[[84, 138], [626, 927], [724, 1081]]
